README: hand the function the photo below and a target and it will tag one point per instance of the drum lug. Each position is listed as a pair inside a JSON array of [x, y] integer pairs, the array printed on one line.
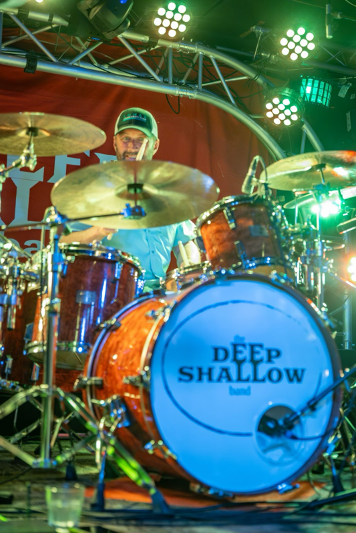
[[152, 446], [282, 278], [242, 253], [118, 269], [230, 218], [210, 491], [283, 488], [162, 312], [141, 380], [113, 323], [82, 382], [115, 413]]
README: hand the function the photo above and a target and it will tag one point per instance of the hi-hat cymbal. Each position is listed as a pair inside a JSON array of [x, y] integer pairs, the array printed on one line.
[[308, 200], [302, 172], [169, 193], [53, 134]]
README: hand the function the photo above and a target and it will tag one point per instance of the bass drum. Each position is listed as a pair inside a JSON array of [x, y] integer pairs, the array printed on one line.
[[204, 373]]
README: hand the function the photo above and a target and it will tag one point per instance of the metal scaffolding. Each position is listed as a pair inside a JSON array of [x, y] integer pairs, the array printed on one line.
[[134, 70]]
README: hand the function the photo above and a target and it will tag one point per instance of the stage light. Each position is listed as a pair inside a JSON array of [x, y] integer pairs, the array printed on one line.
[[297, 45], [315, 91], [174, 14], [108, 17], [351, 269], [327, 208], [283, 106]]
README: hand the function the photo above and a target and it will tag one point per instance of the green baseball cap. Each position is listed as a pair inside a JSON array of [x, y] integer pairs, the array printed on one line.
[[138, 119]]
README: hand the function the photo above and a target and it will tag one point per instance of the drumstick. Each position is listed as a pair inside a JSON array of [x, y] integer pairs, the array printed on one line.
[[141, 150], [183, 254]]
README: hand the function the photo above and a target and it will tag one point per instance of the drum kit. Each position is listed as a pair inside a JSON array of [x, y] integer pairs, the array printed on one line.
[[228, 375]]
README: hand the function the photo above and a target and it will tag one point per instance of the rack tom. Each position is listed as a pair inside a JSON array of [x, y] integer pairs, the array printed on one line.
[[95, 282], [245, 232]]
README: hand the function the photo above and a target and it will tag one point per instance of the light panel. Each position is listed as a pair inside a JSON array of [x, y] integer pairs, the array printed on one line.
[[283, 107], [315, 91], [297, 45], [170, 18]]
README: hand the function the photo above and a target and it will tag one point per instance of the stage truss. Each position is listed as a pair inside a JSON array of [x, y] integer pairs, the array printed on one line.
[[146, 64]]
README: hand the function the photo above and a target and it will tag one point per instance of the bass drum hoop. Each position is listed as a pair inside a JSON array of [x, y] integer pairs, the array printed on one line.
[[148, 353]]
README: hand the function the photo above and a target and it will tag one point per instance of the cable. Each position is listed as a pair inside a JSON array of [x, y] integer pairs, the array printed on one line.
[[169, 103], [348, 1], [15, 477]]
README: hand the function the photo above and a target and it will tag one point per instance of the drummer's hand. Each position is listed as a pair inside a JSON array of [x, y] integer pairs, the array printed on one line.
[[98, 233]]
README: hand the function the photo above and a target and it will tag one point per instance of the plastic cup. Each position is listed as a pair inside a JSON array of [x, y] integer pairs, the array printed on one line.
[[64, 504]]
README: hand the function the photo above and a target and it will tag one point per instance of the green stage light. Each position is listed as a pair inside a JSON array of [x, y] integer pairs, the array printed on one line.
[[297, 44], [327, 208], [169, 19], [283, 107], [351, 269], [315, 91]]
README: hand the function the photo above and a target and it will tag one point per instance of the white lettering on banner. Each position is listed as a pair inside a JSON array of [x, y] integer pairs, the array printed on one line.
[[60, 166], [23, 181], [32, 246]]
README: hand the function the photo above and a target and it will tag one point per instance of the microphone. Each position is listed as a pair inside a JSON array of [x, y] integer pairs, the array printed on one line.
[[250, 180], [328, 22]]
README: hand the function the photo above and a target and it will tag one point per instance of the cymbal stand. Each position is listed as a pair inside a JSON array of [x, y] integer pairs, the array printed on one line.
[[28, 159], [48, 392], [319, 191]]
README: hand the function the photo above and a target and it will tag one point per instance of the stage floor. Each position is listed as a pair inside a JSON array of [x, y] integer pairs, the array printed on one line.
[[128, 509]]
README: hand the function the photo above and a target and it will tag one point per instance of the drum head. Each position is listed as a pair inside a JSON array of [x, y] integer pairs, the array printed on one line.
[[234, 354]]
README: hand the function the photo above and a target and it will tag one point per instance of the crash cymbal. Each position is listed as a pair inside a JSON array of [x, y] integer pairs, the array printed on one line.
[[169, 193], [302, 172], [53, 134], [308, 200]]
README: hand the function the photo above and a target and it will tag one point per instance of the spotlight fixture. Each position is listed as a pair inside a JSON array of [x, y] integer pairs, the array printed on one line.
[[315, 91], [108, 17], [172, 19], [283, 107], [297, 44]]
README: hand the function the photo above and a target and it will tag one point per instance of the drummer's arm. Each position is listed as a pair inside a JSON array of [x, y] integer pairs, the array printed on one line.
[[192, 251], [86, 236]]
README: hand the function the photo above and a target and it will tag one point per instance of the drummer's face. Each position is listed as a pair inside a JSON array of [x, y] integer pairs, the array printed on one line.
[[128, 142]]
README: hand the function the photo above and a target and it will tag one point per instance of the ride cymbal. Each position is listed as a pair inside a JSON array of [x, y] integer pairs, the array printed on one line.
[[52, 134], [168, 192], [303, 172]]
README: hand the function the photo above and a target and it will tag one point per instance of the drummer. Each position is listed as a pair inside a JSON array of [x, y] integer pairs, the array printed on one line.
[[152, 246]]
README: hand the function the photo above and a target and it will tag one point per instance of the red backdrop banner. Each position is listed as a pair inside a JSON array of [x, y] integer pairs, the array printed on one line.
[[200, 136]]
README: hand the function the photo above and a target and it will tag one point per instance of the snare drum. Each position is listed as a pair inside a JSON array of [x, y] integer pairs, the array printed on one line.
[[243, 232], [200, 374], [181, 278], [95, 282]]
